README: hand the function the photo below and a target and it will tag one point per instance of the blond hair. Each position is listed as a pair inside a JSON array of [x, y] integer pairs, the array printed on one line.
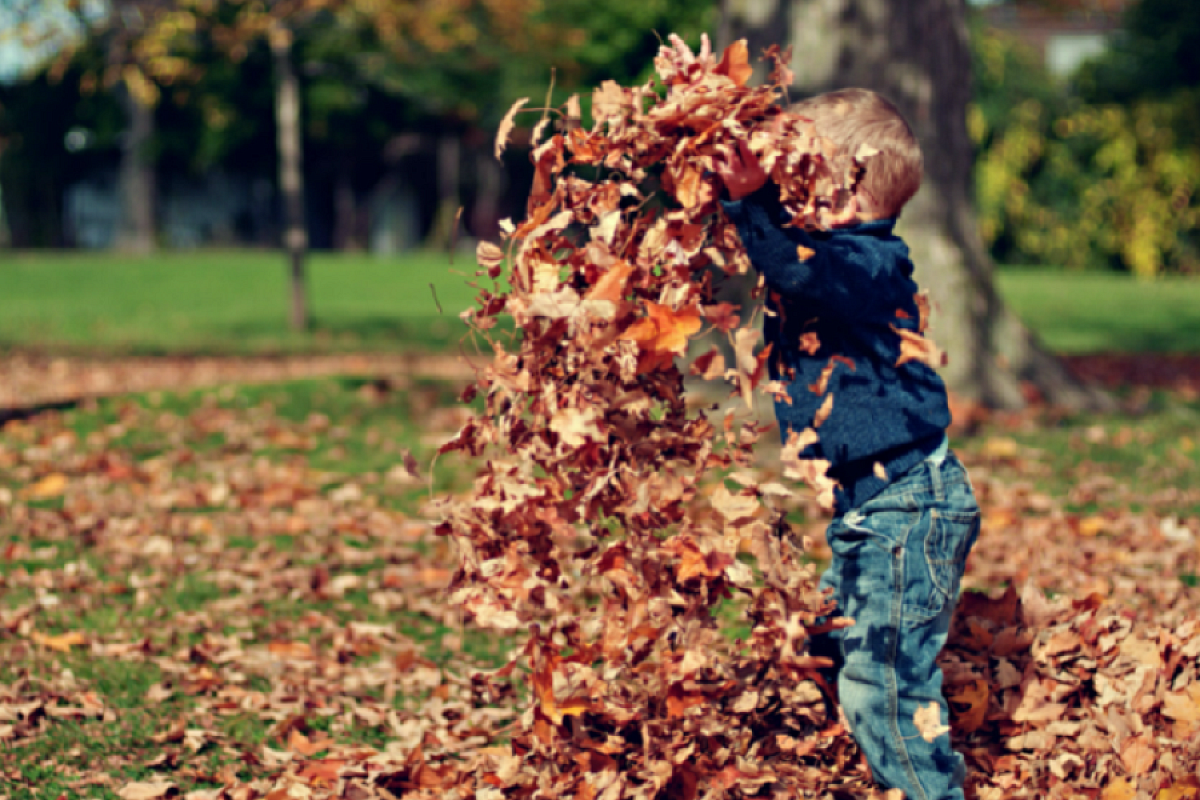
[[851, 118]]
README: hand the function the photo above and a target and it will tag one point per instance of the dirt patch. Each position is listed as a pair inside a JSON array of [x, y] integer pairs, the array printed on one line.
[[1177, 371], [28, 382]]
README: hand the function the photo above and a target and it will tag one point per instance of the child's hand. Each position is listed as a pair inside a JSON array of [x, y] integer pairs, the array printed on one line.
[[740, 172], [847, 215]]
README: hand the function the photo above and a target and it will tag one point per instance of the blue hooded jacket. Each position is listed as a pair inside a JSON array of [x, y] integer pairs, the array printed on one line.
[[850, 292]]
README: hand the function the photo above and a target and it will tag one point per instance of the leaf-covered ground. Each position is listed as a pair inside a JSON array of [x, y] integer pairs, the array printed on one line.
[[236, 590]]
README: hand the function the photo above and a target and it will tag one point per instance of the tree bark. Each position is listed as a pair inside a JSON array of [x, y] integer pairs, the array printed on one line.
[[449, 171], [345, 212], [916, 53], [291, 175], [137, 179], [489, 182]]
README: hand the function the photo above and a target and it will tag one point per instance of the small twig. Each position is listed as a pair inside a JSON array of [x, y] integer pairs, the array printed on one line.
[[436, 302]]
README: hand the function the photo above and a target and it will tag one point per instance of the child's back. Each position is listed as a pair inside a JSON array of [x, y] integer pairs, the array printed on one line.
[[844, 300]]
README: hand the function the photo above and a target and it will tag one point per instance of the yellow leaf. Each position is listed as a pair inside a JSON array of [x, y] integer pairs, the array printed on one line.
[[52, 485], [62, 643], [1178, 792], [1119, 789], [1000, 447], [1092, 526]]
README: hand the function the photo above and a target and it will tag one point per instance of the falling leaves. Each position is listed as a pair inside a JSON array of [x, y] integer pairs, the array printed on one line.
[[504, 130], [928, 720], [587, 525]]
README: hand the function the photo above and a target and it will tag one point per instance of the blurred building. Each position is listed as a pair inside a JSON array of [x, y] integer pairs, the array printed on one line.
[[1065, 32]]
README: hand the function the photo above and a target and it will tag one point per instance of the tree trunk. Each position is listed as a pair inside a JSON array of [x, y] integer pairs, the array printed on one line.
[[449, 168], [136, 232], [489, 181], [291, 176], [345, 211], [916, 53]]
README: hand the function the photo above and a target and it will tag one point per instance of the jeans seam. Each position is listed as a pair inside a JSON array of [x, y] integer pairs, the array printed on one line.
[[898, 559]]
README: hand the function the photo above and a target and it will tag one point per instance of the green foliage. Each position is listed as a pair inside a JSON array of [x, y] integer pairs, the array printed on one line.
[[1154, 56], [1082, 184]]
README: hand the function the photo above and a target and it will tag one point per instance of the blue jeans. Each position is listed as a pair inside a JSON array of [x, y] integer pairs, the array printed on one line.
[[897, 563]]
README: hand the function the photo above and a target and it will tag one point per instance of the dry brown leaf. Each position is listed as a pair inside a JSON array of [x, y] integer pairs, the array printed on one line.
[[506, 126], [928, 720]]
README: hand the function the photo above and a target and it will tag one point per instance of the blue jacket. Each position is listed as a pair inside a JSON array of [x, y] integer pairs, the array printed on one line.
[[849, 292]]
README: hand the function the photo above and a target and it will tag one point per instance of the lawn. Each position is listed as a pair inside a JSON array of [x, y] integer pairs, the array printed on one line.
[[218, 588], [236, 302], [228, 302], [1099, 312], [238, 591]]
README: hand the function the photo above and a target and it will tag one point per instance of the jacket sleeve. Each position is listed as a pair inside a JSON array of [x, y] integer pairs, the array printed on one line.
[[844, 274]]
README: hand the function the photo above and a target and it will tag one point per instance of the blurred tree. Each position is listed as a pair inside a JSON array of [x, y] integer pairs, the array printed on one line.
[[1097, 172], [52, 134], [1154, 56], [916, 53], [153, 41]]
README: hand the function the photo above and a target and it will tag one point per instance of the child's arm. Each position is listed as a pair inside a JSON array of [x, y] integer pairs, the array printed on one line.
[[820, 268]]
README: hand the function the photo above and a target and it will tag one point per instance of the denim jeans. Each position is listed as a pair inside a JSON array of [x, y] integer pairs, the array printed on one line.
[[897, 563]]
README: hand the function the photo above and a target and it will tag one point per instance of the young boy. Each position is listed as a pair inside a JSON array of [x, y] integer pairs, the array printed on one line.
[[905, 514]]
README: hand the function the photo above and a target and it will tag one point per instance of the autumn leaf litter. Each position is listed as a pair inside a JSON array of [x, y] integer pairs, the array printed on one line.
[[610, 527]]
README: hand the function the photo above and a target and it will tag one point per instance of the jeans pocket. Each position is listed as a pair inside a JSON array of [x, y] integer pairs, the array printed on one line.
[[949, 540]]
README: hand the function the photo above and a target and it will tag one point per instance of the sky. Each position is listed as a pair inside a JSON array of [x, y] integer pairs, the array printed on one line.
[[15, 55]]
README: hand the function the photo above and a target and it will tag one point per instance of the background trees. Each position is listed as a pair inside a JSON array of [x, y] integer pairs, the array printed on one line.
[[1093, 173]]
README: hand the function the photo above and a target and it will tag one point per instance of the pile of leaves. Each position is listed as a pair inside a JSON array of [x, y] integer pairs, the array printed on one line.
[[1058, 699], [589, 526]]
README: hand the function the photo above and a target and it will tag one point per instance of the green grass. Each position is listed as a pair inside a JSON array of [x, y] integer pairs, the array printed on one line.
[[1148, 459], [236, 302], [182, 602], [1093, 312], [226, 302]]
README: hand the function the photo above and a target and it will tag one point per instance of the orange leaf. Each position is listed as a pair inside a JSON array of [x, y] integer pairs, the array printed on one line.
[[735, 63], [299, 743], [975, 697], [324, 770], [62, 643], [1119, 789], [809, 343], [50, 486], [1138, 754], [611, 285], [664, 330], [915, 347], [687, 186], [824, 411], [291, 649], [1188, 790]]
